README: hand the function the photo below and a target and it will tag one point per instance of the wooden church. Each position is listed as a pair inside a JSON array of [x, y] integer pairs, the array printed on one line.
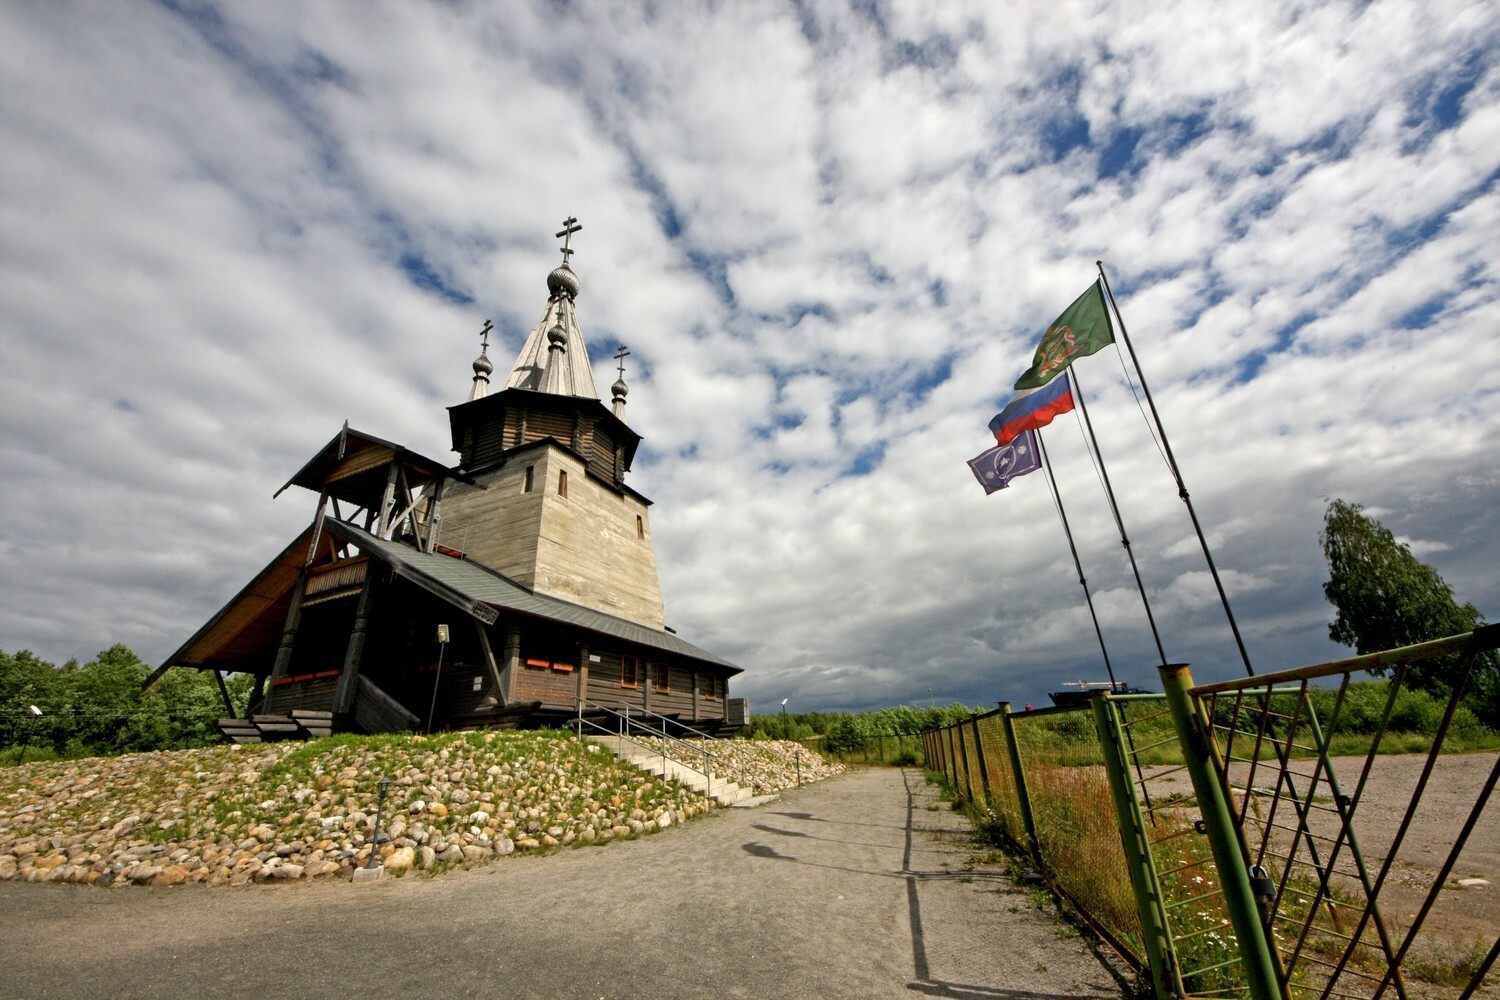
[[515, 588]]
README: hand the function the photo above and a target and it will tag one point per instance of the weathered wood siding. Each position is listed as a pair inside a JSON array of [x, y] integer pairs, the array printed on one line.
[[591, 546], [309, 691]]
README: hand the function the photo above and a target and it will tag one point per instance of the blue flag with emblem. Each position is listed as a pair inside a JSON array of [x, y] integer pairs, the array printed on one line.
[[996, 467]]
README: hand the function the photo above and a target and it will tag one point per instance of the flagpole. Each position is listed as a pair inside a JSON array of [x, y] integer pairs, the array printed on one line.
[[1114, 508], [1077, 564], [1182, 490]]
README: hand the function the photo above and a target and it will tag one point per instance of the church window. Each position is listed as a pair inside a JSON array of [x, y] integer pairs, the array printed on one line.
[[562, 483], [663, 677], [630, 672], [640, 527], [711, 687], [526, 488]]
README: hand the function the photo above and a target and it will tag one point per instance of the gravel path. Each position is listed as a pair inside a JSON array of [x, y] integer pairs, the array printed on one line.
[[859, 886]]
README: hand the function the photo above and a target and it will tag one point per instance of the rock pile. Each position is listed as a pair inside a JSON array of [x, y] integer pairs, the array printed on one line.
[[764, 766], [288, 811]]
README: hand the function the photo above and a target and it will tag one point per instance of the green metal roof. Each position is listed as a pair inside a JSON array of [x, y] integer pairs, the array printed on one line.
[[475, 587]]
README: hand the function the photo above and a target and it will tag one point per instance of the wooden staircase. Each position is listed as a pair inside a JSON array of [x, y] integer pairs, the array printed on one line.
[[298, 724]]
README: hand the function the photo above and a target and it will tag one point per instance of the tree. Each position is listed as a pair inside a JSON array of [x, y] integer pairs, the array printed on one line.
[[1386, 597]]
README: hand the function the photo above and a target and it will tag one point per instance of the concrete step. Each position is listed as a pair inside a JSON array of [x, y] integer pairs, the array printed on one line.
[[724, 792]]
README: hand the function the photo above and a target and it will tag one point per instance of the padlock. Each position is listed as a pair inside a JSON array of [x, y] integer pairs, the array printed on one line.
[[1261, 883]]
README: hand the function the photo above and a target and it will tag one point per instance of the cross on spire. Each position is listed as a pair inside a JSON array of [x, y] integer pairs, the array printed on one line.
[[620, 356], [484, 345], [570, 226]]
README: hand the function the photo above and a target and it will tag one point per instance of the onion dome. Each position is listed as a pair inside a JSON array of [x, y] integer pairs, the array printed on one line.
[[562, 282]]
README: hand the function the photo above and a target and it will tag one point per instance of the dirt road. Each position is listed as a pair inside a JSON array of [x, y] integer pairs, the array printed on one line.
[[861, 886]]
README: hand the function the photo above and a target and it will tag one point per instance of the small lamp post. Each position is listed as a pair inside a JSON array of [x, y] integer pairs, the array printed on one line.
[[786, 734], [442, 639]]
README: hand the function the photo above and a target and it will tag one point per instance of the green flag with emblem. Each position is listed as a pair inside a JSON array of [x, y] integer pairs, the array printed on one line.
[[1082, 329]]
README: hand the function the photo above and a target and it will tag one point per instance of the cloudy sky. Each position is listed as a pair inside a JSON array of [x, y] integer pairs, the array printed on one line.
[[830, 234]]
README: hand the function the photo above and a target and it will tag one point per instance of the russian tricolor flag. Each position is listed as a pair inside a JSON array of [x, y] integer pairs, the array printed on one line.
[[1030, 409]]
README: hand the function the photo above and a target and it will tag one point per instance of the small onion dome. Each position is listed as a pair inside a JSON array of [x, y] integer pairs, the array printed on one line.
[[562, 282], [482, 366], [557, 336], [619, 389]]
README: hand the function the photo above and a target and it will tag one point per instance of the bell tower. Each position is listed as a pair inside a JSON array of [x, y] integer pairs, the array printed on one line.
[[549, 506]]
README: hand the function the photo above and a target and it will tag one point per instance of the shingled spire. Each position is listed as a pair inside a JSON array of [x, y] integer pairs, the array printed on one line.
[[554, 358]]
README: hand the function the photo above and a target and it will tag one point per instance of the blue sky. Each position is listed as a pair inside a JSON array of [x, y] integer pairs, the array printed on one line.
[[830, 234]]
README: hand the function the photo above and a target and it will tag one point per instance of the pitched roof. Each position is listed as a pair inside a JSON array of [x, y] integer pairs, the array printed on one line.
[[467, 584]]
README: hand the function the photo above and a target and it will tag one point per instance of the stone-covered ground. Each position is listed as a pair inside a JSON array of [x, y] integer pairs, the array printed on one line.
[[285, 811]]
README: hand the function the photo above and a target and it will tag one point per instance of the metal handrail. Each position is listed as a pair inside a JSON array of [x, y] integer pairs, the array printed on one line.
[[629, 721]]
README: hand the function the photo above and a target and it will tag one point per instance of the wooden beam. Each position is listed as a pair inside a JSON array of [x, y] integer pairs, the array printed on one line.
[[224, 692], [155, 676], [433, 520], [288, 637], [489, 661], [512, 659], [384, 524], [343, 696]]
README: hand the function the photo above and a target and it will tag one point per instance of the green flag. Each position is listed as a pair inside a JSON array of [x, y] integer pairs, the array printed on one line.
[[1082, 329]]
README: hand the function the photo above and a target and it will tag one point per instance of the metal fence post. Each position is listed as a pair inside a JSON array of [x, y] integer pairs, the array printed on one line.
[[1165, 974], [1019, 774], [1198, 754], [984, 770], [963, 755], [950, 757]]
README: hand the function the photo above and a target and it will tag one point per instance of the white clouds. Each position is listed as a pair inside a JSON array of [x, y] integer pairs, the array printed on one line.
[[829, 240]]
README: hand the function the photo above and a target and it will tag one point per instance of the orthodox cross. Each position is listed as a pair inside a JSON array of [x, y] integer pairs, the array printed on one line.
[[484, 347], [620, 356], [570, 226]]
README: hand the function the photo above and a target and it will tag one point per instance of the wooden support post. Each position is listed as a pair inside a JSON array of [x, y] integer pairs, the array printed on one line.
[[256, 693], [288, 640], [583, 674], [343, 695], [383, 525], [433, 518], [489, 661], [512, 661], [224, 693]]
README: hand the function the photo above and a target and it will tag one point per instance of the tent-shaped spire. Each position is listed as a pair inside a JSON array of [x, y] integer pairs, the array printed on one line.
[[554, 358]]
